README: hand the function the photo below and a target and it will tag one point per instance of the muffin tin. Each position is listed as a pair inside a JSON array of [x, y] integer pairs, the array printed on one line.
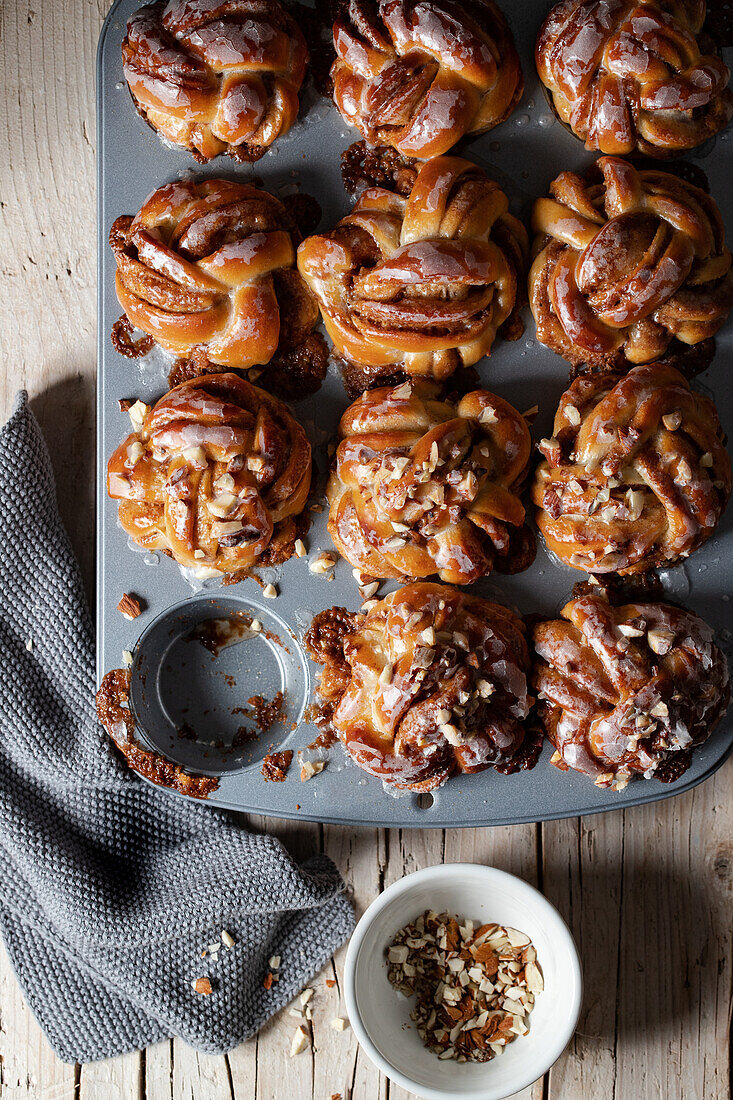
[[178, 683]]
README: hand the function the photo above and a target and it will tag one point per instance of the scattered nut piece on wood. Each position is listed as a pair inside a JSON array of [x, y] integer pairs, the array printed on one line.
[[203, 986], [306, 995], [339, 1023], [330, 982], [130, 606], [301, 1040]]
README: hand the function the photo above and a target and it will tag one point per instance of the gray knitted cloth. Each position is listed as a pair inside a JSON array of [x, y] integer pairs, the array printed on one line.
[[110, 888]]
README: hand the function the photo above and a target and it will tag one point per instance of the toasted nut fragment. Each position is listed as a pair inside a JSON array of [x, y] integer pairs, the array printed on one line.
[[227, 939], [672, 420], [300, 550], [309, 768], [301, 1040], [127, 658], [339, 1023], [630, 631], [269, 592], [137, 414], [306, 995], [130, 606], [660, 640], [202, 986]]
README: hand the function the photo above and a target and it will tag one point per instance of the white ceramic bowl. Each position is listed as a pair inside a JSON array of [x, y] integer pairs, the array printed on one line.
[[378, 1013]]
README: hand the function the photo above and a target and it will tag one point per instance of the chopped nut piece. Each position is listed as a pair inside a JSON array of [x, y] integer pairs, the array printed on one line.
[[300, 550], [269, 592], [130, 606], [706, 460], [274, 962], [488, 416], [322, 563], [137, 414], [309, 768], [300, 1041], [29, 644], [630, 631], [268, 980], [460, 1013], [339, 1023], [127, 658], [227, 939], [573, 415], [199, 554], [306, 995], [660, 640], [256, 626], [202, 986], [672, 420]]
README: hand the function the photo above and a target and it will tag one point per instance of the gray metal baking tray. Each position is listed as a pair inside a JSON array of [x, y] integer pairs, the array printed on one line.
[[523, 154]]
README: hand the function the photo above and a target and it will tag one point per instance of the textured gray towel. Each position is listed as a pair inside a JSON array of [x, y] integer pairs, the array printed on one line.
[[109, 888]]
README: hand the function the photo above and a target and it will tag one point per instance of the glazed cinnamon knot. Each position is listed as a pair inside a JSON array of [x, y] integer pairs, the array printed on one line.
[[216, 76], [628, 691], [429, 682], [419, 74], [636, 474], [210, 265], [626, 264], [424, 486], [626, 76], [211, 474], [422, 282]]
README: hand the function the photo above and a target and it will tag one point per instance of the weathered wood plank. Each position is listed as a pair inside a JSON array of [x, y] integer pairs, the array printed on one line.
[[113, 1077]]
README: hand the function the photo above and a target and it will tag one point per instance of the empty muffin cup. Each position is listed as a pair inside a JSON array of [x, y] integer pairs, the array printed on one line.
[[218, 682]]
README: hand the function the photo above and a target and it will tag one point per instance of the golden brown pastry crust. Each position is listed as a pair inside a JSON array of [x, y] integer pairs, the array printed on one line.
[[626, 264], [428, 682], [419, 74], [421, 282], [209, 266], [636, 474], [423, 485], [216, 77], [627, 691], [216, 469], [628, 76]]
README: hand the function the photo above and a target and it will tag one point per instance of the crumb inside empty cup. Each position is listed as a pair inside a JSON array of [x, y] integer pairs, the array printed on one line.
[[475, 985]]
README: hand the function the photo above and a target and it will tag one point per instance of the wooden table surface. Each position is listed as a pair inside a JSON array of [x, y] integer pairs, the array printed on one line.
[[647, 892]]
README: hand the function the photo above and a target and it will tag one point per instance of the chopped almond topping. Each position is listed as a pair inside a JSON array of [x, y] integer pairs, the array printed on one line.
[[130, 606]]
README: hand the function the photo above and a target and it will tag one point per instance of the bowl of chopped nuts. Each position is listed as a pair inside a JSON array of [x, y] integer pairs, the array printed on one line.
[[462, 982]]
